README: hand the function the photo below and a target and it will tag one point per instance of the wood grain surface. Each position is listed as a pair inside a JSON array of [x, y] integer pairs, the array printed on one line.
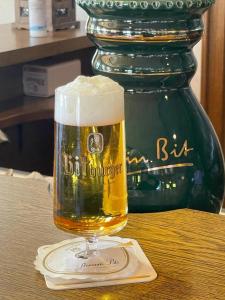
[[186, 248], [18, 47]]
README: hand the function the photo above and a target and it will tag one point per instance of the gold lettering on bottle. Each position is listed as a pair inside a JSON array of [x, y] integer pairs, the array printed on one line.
[[161, 149], [184, 150], [163, 153], [135, 160]]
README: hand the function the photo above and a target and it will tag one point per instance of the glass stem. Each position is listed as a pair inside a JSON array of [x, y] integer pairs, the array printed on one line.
[[87, 248], [94, 243], [91, 245], [90, 248]]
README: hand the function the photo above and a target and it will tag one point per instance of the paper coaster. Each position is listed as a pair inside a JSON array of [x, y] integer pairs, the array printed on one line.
[[116, 261]]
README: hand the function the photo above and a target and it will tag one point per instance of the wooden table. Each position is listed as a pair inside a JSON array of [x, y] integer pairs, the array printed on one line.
[[187, 249]]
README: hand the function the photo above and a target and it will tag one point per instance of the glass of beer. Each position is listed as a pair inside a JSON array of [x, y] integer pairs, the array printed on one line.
[[90, 189]]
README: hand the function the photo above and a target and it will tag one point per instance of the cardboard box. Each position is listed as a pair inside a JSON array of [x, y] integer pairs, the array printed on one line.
[[42, 79]]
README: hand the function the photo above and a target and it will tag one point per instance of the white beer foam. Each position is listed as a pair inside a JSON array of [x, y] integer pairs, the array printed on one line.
[[89, 101]]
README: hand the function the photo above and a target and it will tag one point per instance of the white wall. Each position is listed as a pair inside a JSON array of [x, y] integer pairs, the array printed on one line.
[[7, 11], [196, 81], [81, 14]]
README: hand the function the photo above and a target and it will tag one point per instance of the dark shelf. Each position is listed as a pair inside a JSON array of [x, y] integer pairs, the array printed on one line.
[[26, 109]]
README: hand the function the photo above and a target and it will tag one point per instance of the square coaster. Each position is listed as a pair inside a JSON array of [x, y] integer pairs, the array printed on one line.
[[117, 261]]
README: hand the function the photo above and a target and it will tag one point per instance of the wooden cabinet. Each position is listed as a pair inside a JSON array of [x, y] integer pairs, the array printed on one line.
[[28, 121]]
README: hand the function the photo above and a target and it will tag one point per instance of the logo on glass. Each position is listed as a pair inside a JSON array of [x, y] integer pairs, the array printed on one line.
[[95, 143]]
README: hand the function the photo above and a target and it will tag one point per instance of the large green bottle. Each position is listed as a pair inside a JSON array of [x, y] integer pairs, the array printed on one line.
[[174, 159]]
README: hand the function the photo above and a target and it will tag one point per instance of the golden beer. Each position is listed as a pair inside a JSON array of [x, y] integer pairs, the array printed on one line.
[[90, 192]]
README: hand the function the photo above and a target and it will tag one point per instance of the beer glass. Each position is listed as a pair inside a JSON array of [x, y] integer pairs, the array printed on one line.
[[90, 190]]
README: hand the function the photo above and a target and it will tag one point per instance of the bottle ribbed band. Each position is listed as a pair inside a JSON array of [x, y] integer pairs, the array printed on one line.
[[147, 4]]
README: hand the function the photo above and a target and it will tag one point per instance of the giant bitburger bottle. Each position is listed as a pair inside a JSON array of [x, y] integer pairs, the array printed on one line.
[[174, 158]]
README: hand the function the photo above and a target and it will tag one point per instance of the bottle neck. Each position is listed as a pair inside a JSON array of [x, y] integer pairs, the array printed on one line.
[[145, 54], [158, 70]]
